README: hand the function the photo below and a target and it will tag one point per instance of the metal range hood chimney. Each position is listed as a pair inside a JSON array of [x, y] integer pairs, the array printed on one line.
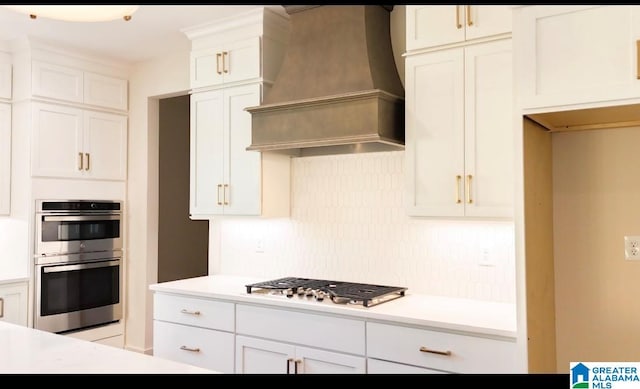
[[338, 90]]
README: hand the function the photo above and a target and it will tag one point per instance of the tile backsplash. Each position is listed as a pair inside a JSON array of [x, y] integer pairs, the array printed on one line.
[[348, 222]]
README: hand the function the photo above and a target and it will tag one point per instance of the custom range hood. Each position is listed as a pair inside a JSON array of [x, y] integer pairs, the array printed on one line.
[[338, 90]]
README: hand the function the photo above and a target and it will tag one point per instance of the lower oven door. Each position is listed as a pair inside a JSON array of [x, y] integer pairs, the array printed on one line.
[[73, 295]]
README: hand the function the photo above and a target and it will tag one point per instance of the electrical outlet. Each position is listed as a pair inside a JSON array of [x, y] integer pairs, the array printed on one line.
[[486, 259], [632, 247], [260, 245]]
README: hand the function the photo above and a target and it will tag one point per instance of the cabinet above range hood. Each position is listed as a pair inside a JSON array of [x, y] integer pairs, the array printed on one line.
[[338, 90]]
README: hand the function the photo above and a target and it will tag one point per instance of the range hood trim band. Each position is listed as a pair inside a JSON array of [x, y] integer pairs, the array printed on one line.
[[325, 100]]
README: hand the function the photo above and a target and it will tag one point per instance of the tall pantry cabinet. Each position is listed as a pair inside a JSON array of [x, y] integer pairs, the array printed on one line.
[[233, 64], [459, 142], [69, 131]]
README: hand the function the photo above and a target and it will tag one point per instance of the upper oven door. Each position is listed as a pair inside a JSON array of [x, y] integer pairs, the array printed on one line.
[[74, 233]]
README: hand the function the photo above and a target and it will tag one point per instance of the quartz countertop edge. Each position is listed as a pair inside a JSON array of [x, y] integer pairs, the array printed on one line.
[[477, 317], [25, 350]]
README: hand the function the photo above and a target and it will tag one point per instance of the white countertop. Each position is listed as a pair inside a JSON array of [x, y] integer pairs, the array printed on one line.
[[26, 350], [465, 315]]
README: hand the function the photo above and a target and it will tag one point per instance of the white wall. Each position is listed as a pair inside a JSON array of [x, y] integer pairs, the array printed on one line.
[[349, 223], [149, 81]]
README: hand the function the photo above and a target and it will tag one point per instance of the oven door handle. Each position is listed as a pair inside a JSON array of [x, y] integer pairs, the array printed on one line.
[[79, 218], [58, 269]]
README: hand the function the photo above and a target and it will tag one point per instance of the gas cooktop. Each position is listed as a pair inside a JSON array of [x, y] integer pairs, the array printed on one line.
[[338, 292]]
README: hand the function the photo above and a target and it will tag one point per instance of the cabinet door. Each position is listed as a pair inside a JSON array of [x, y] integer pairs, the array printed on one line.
[[104, 91], [5, 159], [436, 25], [313, 361], [576, 54], [242, 195], [105, 146], [232, 62], [435, 133], [13, 303], [207, 153], [483, 21], [258, 356], [57, 141], [56, 82], [5, 76], [225, 177], [489, 141]]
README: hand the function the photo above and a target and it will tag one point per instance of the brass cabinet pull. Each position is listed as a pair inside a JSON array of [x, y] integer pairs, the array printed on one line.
[[80, 159], [185, 348], [288, 363], [428, 350], [195, 313], [224, 194], [218, 55], [469, 199], [1, 307], [458, 25], [219, 187], [224, 66], [469, 21], [638, 59], [458, 178], [88, 162]]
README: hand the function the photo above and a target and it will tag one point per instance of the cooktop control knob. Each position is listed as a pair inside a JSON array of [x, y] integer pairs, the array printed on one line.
[[320, 295], [289, 293], [309, 292], [300, 291]]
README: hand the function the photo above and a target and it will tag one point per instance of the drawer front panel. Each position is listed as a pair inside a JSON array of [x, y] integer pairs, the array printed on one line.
[[468, 354], [327, 332], [194, 311], [200, 347]]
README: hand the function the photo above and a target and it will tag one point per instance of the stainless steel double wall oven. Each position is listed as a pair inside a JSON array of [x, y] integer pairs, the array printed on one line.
[[78, 264]]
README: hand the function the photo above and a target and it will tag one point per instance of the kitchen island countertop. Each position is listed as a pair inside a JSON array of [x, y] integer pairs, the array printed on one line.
[[25, 350], [453, 314]]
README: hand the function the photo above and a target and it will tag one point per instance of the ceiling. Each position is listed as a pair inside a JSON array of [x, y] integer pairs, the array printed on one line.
[[153, 30]]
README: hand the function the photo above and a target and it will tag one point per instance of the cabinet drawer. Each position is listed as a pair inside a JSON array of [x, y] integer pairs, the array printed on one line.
[[468, 354], [327, 332], [196, 346], [376, 366], [193, 311]]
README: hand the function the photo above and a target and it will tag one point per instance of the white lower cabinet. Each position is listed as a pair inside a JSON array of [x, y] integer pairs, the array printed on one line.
[[13, 302], [195, 331], [448, 352], [235, 337], [259, 356], [307, 349]]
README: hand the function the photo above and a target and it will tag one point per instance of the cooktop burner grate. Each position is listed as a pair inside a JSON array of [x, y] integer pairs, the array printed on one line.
[[339, 292]]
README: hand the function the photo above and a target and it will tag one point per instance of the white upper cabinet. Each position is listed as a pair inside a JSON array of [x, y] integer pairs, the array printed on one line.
[[106, 92], [225, 178], [435, 25], [232, 65], [5, 76], [576, 54], [88, 144], [5, 158], [459, 141], [231, 62], [69, 84]]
